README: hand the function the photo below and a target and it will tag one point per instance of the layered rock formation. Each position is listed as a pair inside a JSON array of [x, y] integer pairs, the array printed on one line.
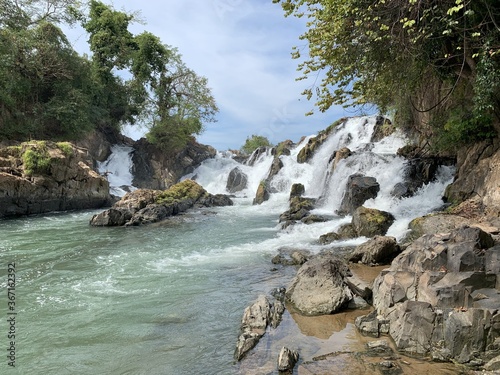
[[39, 176]]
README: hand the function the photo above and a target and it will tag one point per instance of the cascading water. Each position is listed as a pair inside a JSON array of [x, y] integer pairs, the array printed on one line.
[[117, 168], [374, 159]]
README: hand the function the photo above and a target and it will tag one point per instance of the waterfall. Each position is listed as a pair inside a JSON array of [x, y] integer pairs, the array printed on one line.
[[374, 159], [117, 169]]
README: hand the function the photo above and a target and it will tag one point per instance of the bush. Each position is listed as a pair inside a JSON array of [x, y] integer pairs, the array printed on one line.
[[254, 142], [36, 158]]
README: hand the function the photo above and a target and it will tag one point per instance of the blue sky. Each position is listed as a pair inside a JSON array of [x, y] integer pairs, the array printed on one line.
[[244, 49]]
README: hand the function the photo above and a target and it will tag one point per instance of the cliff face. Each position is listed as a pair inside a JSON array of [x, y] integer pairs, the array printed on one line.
[[154, 169], [39, 177]]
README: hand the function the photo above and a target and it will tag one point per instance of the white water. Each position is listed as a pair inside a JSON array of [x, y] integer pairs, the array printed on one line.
[[377, 160], [118, 168]]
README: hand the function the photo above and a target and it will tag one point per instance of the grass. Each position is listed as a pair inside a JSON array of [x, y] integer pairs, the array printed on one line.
[[36, 158]]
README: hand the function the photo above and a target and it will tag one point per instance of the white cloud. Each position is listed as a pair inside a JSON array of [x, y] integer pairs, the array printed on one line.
[[243, 47]]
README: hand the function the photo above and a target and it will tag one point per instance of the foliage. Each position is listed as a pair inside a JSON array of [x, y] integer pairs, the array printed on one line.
[[187, 189], [387, 52], [53, 93], [65, 147], [254, 142], [36, 158]]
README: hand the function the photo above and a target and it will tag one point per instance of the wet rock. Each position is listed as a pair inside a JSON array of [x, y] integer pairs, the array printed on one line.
[[145, 206], [291, 257], [299, 209], [370, 222], [328, 238], [237, 181], [319, 286], [287, 359], [436, 223], [339, 155], [311, 219], [253, 326], [383, 128], [262, 193], [276, 166], [378, 250], [297, 190], [256, 155], [359, 189]]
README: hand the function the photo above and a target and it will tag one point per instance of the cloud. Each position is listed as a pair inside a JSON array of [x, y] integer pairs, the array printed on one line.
[[244, 49]]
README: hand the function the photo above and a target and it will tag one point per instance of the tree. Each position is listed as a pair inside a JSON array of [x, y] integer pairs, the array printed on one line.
[[254, 142], [432, 62], [170, 98]]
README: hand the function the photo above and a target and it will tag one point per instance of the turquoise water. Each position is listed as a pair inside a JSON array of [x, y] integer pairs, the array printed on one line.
[[164, 299]]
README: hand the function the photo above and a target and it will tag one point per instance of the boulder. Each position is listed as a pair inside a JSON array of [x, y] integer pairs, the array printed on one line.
[[297, 190], [257, 154], [359, 189], [262, 193], [276, 166], [299, 209], [378, 250], [319, 287], [291, 257], [145, 206], [237, 181], [287, 359], [339, 155], [313, 144], [383, 128], [370, 222], [436, 223]]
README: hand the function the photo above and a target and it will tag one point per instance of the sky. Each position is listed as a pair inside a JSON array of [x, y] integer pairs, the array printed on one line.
[[243, 48]]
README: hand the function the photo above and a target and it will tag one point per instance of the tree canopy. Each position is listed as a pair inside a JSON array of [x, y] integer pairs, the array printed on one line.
[[52, 92], [436, 63], [254, 142]]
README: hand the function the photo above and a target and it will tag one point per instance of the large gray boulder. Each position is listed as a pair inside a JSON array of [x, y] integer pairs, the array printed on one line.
[[378, 250], [319, 287], [236, 181], [371, 222], [359, 189]]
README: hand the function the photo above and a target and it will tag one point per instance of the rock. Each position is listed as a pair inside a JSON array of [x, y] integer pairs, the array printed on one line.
[[257, 154], [283, 148], [237, 181], [347, 231], [439, 298], [370, 222], [319, 287], [339, 155], [358, 190], [253, 326], [493, 364], [145, 206], [297, 190], [299, 209], [287, 359], [291, 257], [359, 287], [368, 324], [436, 223], [311, 219], [328, 238], [276, 166], [262, 193], [42, 176], [378, 250], [308, 151], [154, 168], [383, 128], [357, 303]]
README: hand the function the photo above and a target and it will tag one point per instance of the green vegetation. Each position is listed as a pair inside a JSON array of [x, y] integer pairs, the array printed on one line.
[[36, 158], [65, 147], [51, 92], [434, 64], [254, 142], [187, 189]]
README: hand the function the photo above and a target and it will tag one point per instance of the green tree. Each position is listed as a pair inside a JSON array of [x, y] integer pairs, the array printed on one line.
[[254, 142], [432, 62]]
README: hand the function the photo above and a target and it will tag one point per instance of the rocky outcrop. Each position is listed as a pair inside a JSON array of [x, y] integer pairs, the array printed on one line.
[[319, 286], [256, 318], [478, 175], [236, 181], [383, 128], [262, 193], [300, 208], [145, 206], [156, 169], [42, 176], [98, 143], [359, 189], [378, 250], [440, 296], [313, 144]]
